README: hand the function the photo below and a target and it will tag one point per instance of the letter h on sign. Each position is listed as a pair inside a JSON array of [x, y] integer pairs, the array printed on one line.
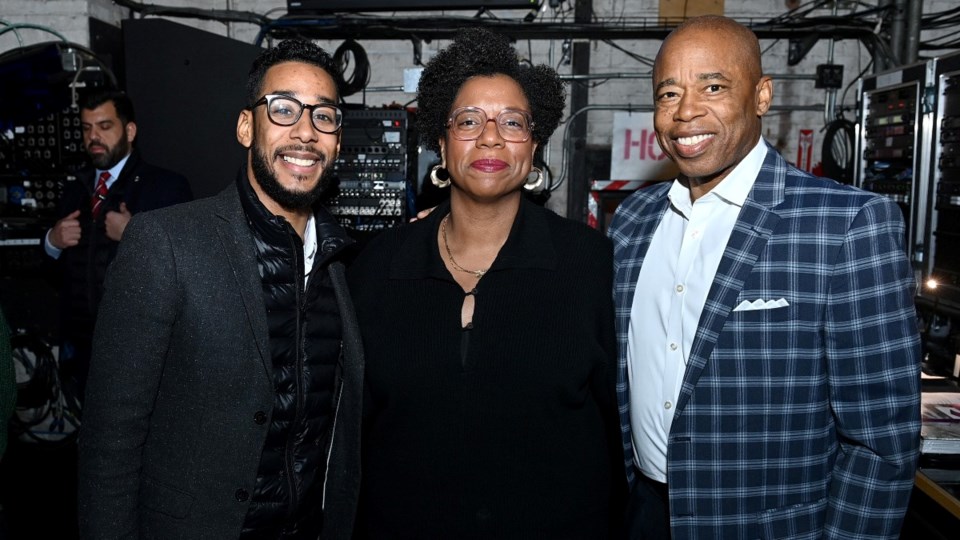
[[646, 145]]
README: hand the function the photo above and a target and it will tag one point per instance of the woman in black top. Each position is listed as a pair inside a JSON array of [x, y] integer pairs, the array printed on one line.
[[490, 408]]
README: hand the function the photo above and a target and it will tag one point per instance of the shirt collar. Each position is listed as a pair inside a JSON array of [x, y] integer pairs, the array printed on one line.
[[310, 243], [114, 171], [733, 189]]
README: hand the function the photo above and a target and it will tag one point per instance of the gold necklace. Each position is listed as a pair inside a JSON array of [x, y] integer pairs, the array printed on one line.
[[443, 232]]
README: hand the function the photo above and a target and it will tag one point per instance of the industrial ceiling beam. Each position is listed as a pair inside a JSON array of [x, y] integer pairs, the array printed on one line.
[[427, 29]]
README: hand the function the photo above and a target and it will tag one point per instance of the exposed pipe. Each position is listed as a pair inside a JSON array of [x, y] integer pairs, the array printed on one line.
[[830, 101], [881, 62], [911, 47], [897, 29], [579, 97], [223, 16]]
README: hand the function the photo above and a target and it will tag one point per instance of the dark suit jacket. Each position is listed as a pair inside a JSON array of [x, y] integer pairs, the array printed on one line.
[[142, 187], [800, 421], [181, 373]]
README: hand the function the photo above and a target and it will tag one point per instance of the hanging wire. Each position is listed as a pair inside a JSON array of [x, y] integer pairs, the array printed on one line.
[[349, 51], [18, 26], [15, 32]]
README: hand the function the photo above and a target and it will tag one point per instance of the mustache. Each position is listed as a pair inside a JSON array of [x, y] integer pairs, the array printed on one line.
[[320, 155]]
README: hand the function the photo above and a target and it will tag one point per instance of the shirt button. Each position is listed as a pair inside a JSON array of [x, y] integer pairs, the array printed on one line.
[[673, 346], [667, 405], [679, 288]]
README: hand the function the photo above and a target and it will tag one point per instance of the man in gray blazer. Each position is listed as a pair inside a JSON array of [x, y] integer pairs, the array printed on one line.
[[224, 392]]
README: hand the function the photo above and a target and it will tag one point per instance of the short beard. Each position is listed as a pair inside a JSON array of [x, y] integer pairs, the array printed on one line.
[[112, 156], [293, 201]]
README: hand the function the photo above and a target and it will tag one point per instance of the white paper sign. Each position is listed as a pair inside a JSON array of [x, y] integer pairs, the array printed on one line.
[[635, 153]]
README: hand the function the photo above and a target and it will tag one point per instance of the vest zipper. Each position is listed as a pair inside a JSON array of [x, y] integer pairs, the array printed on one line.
[[299, 293]]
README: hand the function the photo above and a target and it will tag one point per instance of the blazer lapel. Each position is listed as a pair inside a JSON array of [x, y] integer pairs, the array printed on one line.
[[751, 232], [126, 177], [236, 241], [629, 257]]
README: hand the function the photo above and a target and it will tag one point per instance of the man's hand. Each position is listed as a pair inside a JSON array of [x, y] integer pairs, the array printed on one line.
[[116, 222], [66, 232]]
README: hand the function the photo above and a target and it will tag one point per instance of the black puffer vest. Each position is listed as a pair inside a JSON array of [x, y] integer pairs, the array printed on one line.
[[305, 340]]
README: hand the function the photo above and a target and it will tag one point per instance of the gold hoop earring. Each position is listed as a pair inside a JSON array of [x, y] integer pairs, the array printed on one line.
[[439, 176], [538, 179]]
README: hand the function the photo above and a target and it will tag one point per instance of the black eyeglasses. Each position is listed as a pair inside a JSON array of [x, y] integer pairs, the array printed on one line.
[[286, 111], [467, 124]]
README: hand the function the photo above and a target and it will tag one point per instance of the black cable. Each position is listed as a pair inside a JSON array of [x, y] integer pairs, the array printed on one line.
[[42, 398], [221, 15], [360, 76], [843, 97], [798, 12], [631, 54], [837, 151], [940, 19], [763, 52], [38, 366]]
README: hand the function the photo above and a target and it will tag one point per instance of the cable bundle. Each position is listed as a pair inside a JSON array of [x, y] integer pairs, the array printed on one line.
[[358, 80], [46, 411]]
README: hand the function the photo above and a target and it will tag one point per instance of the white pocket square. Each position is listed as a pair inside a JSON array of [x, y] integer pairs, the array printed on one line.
[[759, 304]]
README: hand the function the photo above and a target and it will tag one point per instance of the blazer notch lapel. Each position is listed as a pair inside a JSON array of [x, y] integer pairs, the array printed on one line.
[[747, 242], [236, 243]]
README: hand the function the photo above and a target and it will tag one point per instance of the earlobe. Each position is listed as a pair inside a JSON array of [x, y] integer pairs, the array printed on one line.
[[244, 129], [131, 131]]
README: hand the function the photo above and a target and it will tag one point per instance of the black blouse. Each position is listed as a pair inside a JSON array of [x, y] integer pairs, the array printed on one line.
[[507, 429]]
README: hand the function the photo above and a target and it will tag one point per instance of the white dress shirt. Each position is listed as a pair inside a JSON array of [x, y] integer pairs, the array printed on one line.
[[309, 247], [675, 278]]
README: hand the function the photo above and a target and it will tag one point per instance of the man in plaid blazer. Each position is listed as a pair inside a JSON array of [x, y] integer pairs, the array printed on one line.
[[769, 355]]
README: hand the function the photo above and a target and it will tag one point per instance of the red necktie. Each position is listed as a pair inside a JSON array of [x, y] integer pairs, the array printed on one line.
[[99, 194]]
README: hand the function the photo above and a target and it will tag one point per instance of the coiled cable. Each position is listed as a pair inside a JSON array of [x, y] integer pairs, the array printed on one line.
[[360, 76], [837, 151]]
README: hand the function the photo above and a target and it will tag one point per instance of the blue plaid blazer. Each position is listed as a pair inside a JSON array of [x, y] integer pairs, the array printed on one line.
[[795, 422]]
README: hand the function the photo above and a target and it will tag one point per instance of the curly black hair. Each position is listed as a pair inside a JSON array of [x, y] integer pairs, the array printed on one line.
[[478, 51], [290, 50]]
